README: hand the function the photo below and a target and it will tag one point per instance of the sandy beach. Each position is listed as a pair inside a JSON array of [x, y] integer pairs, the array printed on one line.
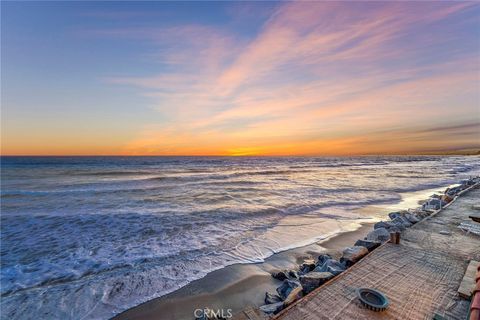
[[238, 286]]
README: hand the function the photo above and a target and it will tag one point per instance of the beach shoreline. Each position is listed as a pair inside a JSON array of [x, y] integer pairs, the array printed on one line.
[[235, 287]]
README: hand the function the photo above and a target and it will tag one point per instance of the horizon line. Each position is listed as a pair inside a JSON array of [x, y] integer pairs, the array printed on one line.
[[439, 153]]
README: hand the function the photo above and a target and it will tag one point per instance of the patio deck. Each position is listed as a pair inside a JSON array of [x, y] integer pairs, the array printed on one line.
[[420, 276]]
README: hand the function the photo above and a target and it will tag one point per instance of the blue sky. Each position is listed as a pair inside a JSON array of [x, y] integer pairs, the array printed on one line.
[[239, 78]]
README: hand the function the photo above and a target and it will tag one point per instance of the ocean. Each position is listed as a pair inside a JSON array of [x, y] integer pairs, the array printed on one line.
[[89, 237]]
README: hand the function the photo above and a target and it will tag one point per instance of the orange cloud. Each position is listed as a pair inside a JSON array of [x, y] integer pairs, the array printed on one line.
[[318, 78], [312, 82]]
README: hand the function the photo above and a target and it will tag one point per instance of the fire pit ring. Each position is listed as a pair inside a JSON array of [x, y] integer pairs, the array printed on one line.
[[372, 299]]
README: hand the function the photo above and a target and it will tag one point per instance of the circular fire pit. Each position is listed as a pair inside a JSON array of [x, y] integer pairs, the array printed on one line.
[[372, 299]]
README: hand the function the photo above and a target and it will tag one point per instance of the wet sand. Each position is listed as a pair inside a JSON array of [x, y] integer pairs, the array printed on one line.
[[236, 286], [241, 285]]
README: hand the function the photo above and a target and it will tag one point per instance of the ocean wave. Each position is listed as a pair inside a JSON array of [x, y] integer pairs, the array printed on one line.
[[110, 173], [88, 238]]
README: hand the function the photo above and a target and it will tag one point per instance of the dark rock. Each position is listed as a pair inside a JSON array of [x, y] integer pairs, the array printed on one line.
[[384, 224], [453, 191], [313, 280], [447, 198], [432, 204], [353, 254], [271, 298], [293, 274], [280, 275], [406, 222], [322, 258], [411, 218], [272, 308], [293, 296], [419, 213], [469, 182], [380, 234], [332, 266], [303, 270], [370, 245], [393, 215], [401, 222], [287, 286], [307, 265]]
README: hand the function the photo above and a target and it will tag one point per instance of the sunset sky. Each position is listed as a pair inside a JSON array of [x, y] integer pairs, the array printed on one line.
[[227, 78]]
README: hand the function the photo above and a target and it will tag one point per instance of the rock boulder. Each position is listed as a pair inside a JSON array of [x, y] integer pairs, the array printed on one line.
[[279, 275], [393, 215], [388, 225], [411, 218], [447, 198], [432, 204], [380, 235], [313, 280], [322, 258], [307, 265], [370, 245], [271, 298], [332, 266], [353, 254], [286, 287], [401, 222], [293, 296]]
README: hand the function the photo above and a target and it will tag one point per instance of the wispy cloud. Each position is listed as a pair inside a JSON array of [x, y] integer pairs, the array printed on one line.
[[322, 77]]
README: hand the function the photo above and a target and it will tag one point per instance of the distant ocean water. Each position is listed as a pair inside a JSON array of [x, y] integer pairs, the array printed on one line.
[[88, 237]]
